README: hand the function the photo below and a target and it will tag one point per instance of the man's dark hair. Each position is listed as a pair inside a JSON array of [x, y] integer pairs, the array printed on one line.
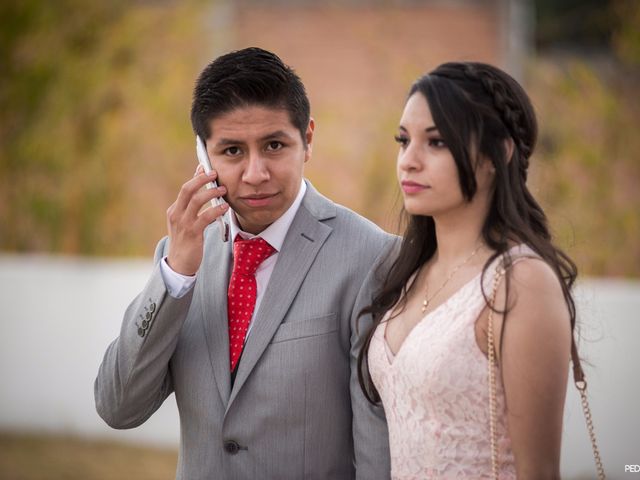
[[251, 76]]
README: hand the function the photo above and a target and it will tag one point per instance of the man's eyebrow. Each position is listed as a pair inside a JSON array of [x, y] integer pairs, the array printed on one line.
[[228, 141], [269, 136], [276, 134]]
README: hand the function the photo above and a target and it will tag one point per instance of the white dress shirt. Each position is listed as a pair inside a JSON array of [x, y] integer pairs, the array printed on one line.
[[178, 285]]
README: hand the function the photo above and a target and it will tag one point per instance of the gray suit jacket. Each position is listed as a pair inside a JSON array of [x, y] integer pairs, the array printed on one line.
[[296, 410]]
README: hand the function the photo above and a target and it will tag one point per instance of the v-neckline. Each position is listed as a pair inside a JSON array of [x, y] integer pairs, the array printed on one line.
[[388, 348]]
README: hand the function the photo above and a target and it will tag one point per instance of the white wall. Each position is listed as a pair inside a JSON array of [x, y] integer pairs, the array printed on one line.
[[57, 316]]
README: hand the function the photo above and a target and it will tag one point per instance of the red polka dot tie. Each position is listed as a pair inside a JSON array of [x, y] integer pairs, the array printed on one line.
[[242, 293]]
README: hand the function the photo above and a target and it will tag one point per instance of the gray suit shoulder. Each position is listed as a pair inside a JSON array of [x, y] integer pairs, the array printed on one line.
[[352, 222], [373, 242]]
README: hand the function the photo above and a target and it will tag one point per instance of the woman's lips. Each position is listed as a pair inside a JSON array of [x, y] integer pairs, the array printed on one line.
[[259, 200], [412, 187]]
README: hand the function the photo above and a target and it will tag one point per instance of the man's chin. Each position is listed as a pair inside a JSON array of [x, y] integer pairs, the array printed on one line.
[[256, 222]]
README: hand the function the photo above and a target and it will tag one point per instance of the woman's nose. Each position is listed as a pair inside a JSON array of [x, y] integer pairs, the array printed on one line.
[[409, 159]]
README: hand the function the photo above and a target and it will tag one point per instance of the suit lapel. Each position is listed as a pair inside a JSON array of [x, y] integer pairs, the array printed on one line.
[[303, 242], [214, 274]]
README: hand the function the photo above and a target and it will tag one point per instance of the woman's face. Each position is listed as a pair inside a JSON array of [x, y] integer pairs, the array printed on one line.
[[426, 170]]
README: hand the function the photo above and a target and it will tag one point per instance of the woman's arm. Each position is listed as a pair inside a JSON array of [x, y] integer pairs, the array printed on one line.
[[534, 361]]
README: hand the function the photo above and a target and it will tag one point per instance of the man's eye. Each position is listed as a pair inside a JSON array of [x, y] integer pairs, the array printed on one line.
[[273, 146], [232, 151]]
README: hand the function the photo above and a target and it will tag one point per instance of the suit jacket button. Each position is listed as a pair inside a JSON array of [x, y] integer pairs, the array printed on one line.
[[231, 447], [141, 332], [152, 307]]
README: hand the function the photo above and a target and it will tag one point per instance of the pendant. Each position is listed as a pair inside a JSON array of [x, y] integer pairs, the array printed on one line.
[[425, 304]]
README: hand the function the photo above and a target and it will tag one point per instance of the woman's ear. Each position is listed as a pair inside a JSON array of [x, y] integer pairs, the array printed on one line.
[[509, 147]]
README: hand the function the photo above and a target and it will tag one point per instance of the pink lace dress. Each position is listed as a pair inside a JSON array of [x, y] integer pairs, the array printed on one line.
[[435, 392]]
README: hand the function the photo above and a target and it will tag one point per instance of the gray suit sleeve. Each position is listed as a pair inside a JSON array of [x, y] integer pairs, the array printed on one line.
[[134, 377], [370, 435]]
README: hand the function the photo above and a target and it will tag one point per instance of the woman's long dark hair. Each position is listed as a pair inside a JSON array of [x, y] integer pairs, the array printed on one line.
[[476, 107]]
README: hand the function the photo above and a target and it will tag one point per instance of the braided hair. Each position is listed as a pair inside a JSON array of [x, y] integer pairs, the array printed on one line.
[[478, 109]]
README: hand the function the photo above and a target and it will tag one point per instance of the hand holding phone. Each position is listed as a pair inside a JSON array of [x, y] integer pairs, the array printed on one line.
[[203, 159]]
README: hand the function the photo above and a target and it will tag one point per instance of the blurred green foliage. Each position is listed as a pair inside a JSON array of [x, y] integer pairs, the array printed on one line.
[[50, 113], [587, 166], [90, 89], [589, 151], [574, 23], [626, 38]]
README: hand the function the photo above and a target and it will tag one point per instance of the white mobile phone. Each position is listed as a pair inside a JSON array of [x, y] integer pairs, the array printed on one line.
[[203, 159]]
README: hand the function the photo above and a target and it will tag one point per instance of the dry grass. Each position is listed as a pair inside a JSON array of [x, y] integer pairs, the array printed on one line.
[[36, 457]]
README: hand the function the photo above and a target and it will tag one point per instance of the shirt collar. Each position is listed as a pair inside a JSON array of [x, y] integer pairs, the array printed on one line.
[[275, 233]]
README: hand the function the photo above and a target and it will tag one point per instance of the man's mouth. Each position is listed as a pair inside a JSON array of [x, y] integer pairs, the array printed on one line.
[[258, 200]]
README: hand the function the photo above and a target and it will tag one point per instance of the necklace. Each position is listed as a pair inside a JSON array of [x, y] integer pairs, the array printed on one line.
[[427, 300]]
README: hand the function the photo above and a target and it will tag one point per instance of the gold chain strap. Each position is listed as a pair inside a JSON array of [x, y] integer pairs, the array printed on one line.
[[580, 382], [581, 385], [491, 375]]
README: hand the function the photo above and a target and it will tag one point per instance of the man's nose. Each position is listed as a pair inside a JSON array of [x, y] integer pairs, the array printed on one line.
[[256, 170]]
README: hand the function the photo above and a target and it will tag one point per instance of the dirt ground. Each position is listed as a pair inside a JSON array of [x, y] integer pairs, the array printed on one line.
[[31, 457]]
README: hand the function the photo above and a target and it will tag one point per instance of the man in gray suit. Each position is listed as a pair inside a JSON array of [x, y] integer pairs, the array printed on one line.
[[256, 336]]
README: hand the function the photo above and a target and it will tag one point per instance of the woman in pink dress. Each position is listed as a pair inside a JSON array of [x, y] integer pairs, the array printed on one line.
[[466, 136]]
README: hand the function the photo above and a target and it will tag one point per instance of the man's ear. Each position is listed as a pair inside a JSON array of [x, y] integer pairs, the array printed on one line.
[[308, 136], [509, 147]]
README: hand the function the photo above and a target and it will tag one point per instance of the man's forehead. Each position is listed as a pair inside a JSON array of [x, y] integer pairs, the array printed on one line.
[[254, 118]]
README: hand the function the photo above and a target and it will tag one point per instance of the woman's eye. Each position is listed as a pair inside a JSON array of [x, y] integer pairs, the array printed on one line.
[[232, 151], [437, 143], [402, 140], [273, 146]]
